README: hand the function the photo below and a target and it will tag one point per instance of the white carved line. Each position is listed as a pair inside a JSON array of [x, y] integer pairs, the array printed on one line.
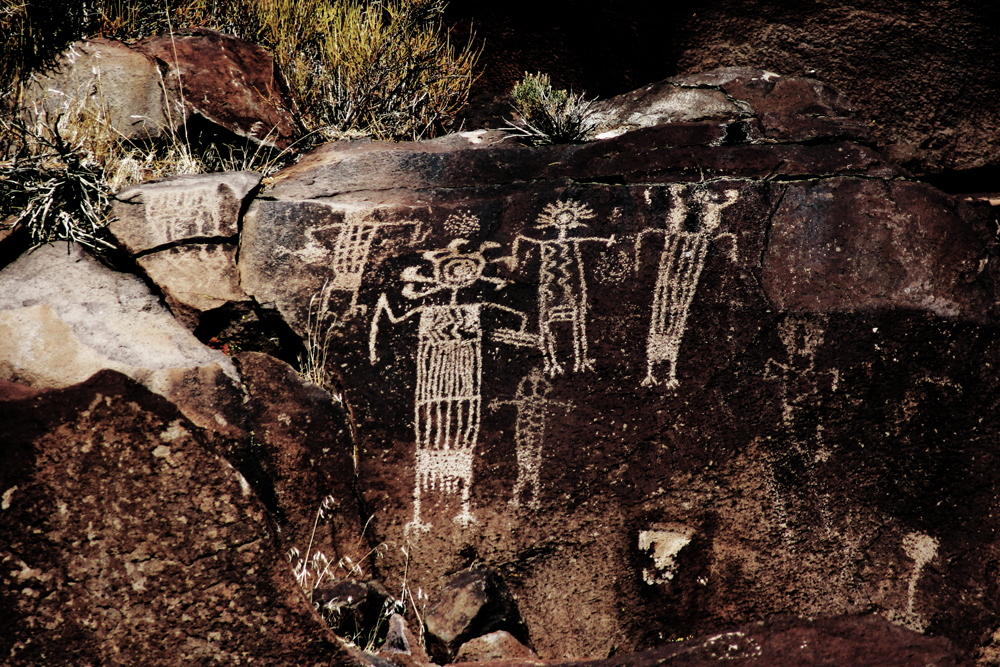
[[562, 290], [681, 264], [532, 403], [351, 252], [183, 214], [447, 396]]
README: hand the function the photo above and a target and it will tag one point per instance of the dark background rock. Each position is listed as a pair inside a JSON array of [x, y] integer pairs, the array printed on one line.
[[860, 641], [785, 465], [924, 75], [125, 540], [303, 445]]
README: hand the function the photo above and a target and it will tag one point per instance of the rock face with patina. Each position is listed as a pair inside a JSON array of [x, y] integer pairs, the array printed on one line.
[[694, 373], [723, 363]]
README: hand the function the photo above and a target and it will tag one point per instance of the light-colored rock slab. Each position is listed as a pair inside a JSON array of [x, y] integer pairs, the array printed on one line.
[[195, 278], [181, 208], [63, 317]]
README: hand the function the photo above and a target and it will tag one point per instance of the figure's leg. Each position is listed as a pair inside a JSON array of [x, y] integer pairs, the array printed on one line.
[[413, 529], [464, 517], [581, 361], [552, 366], [519, 484]]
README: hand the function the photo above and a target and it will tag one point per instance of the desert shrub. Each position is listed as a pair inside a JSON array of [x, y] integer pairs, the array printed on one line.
[[53, 188], [547, 115], [383, 68], [34, 32]]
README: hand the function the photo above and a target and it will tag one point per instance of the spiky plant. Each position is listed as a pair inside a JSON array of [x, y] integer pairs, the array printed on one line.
[[550, 116]]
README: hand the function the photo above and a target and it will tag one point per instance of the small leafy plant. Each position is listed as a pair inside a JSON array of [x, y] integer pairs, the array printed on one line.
[[550, 116]]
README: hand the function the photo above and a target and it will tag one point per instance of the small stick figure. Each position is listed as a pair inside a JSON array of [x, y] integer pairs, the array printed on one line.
[[532, 403]]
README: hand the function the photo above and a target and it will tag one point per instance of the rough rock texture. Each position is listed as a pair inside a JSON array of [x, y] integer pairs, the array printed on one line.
[[355, 609], [671, 381], [64, 316], [232, 83], [109, 78], [195, 278], [499, 645], [472, 603], [302, 442], [925, 75], [401, 646], [183, 232], [772, 107], [181, 209], [860, 641], [125, 540]]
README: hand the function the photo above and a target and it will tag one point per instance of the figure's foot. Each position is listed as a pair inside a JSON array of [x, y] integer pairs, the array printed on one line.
[[412, 530], [585, 365], [553, 369], [650, 380], [465, 518]]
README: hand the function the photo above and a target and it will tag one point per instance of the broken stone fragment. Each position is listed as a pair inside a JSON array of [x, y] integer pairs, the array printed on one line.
[[499, 645], [181, 209], [63, 317], [473, 603], [195, 278]]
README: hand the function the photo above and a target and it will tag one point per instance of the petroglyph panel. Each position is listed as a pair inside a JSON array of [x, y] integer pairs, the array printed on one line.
[[181, 209], [562, 283], [449, 370]]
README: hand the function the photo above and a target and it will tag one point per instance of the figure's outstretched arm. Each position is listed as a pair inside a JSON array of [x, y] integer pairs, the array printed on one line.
[[520, 315], [383, 307], [510, 261]]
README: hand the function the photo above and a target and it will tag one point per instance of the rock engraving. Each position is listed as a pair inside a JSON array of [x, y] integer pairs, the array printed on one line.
[[562, 289], [447, 398], [351, 251], [681, 264], [532, 403], [188, 213]]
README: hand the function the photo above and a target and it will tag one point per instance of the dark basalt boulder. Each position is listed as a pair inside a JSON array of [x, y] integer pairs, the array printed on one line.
[[674, 380], [124, 539], [227, 81]]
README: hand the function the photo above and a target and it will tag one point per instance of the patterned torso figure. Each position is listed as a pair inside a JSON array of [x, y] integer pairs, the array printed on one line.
[[532, 403], [562, 290], [447, 399], [680, 267], [351, 251]]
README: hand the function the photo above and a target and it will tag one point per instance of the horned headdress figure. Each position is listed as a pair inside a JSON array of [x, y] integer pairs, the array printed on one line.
[[447, 401], [681, 264]]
